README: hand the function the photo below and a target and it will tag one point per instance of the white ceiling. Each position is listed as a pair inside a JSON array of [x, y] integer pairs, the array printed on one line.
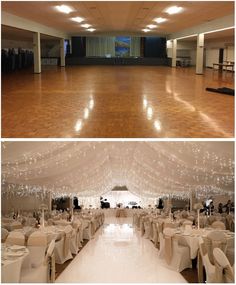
[[124, 17], [94, 168]]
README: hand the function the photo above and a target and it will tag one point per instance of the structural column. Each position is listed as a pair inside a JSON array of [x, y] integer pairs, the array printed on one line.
[[200, 53], [62, 52], [174, 52], [37, 52]]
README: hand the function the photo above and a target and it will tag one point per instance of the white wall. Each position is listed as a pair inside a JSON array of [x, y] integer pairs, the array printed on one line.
[[50, 49], [212, 50], [184, 49], [188, 48], [16, 44]]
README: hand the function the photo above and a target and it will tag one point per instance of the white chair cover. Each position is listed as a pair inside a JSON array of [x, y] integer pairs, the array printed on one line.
[[62, 247], [37, 244], [4, 234], [218, 225], [15, 238], [161, 252], [15, 226], [45, 273], [11, 272], [215, 239], [212, 276], [222, 262], [177, 256]]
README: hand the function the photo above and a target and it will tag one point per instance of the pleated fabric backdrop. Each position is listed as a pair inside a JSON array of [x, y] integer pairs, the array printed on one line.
[[103, 46]]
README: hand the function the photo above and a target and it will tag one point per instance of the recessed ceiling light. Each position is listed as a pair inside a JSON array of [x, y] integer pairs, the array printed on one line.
[[85, 25], [146, 30], [64, 9], [77, 19], [151, 26], [91, 30], [173, 10], [160, 20]]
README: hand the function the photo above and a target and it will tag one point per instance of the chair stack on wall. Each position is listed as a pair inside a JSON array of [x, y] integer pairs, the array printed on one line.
[[12, 60]]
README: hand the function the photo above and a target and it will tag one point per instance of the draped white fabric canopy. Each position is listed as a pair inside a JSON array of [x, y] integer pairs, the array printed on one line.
[[148, 169]]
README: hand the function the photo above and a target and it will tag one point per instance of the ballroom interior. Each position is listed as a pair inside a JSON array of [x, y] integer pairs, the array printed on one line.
[[123, 69], [117, 212]]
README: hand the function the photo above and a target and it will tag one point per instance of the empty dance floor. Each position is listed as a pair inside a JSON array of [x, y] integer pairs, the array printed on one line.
[[118, 254], [116, 101]]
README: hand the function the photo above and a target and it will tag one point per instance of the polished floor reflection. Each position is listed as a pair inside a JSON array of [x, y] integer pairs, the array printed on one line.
[[118, 254], [117, 101]]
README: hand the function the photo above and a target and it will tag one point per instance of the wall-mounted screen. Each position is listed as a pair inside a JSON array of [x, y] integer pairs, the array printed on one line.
[[122, 46]]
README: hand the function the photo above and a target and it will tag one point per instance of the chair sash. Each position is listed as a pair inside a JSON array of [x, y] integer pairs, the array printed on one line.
[[218, 273], [228, 274], [168, 249]]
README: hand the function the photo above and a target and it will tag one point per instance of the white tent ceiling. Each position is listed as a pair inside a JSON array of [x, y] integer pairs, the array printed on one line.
[[148, 169]]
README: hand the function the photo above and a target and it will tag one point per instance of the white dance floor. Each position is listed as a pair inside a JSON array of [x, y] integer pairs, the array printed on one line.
[[118, 254]]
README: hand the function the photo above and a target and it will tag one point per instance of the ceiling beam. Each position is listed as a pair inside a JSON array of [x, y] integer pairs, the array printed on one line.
[[213, 25], [24, 24]]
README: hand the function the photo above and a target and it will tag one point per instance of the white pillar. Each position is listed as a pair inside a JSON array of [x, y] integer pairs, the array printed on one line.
[[200, 52], [62, 52], [37, 52], [174, 52]]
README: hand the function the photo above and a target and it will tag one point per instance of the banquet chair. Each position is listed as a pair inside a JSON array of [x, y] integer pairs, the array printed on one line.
[[215, 239], [45, 273], [229, 221], [147, 228], [218, 225], [222, 264], [211, 219], [212, 275], [62, 247], [73, 242], [4, 234], [87, 234], [50, 222], [187, 223], [10, 273], [188, 229], [15, 238], [177, 256], [230, 254], [191, 218], [77, 227], [30, 221], [37, 245], [155, 233], [161, 253], [15, 226]]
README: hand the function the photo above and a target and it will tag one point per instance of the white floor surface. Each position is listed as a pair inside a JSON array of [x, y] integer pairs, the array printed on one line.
[[118, 254]]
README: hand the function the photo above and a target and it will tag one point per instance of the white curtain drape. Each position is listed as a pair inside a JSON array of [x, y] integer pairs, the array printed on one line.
[[100, 46], [135, 46], [148, 169]]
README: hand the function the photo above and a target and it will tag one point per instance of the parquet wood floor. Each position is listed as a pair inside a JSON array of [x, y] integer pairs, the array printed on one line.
[[116, 102]]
